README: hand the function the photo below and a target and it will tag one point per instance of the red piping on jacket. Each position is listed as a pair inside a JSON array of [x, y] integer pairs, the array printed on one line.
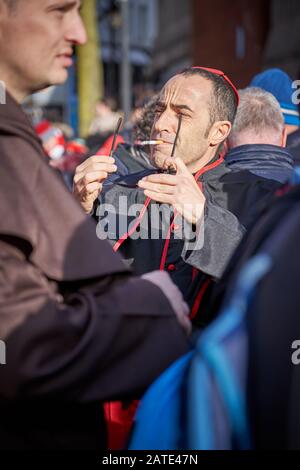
[[135, 226], [166, 245], [197, 176], [208, 167], [199, 298], [167, 242], [146, 204]]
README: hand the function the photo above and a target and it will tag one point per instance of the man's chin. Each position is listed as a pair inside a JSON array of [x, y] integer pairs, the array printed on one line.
[[56, 79], [59, 77], [158, 159]]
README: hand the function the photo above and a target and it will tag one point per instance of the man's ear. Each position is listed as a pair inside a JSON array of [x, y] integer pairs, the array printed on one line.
[[283, 137], [219, 132]]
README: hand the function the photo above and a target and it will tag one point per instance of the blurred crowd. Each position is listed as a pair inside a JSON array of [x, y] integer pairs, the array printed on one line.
[[66, 151], [149, 290]]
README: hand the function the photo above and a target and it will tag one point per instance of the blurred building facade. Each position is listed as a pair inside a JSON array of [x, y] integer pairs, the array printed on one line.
[[241, 37], [283, 42], [231, 36], [173, 46], [213, 33], [143, 29]]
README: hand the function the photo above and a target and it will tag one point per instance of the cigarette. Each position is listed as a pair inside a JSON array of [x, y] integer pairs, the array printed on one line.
[[150, 142]]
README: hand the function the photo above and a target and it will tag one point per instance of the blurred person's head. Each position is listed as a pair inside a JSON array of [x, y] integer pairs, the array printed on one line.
[[106, 106], [65, 128], [142, 128], [142, 92], [52, 139], [207, 103], [106, 117], [36, 43], [279, 83], [258, 120]]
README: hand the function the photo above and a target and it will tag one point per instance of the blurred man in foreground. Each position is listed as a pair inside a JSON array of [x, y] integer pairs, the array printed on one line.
[[78, 328]]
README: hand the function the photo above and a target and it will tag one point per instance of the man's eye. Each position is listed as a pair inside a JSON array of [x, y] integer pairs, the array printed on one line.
[[59, 11], [63, 9]]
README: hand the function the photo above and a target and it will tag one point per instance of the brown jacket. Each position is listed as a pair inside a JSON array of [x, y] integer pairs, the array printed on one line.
[[78, 328]]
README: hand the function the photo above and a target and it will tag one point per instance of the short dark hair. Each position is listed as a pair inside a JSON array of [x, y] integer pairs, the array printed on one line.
[[223, 103], [142, 129]]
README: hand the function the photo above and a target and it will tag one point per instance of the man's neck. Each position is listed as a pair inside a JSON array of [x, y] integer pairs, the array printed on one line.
[[12, 86], [17, 96], [290, 129], [202, 162]]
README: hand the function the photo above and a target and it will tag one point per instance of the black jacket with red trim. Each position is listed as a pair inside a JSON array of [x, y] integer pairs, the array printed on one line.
[[191, 260]]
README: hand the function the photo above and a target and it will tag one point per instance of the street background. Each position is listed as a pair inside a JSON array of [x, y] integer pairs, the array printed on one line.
[[136, 45]]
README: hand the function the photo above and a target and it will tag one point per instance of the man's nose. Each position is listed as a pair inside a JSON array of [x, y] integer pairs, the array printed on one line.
[[76, 32], [166, 121]]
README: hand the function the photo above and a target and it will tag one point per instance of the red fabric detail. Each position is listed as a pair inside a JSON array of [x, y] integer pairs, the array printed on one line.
[[135, 226], [221, 74], [202, 291], [199, 298], [172, 226], [119, 422], [208, 167], [166, 246], [106, 147], [283, 190], [200, 185], [43, 126], [171, 267], [194, 273]]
